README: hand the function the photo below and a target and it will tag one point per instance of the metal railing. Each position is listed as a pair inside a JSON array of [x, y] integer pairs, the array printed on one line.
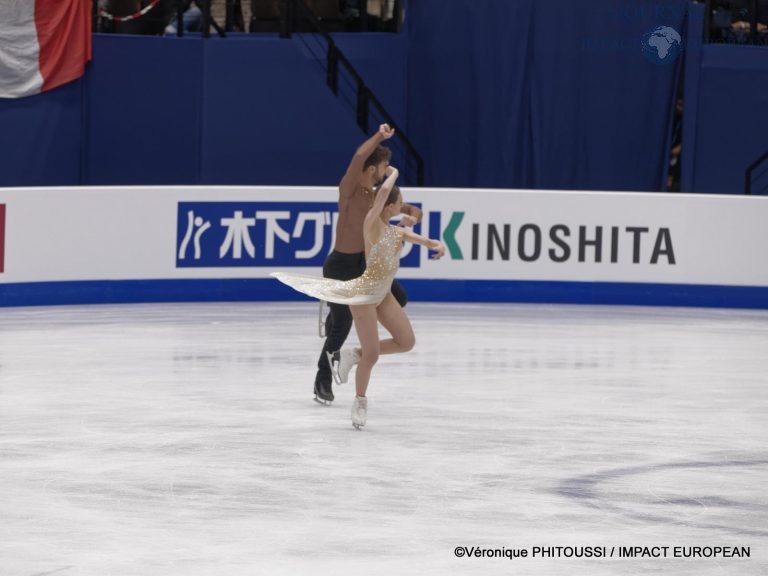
[[340, 74], [750, 180]]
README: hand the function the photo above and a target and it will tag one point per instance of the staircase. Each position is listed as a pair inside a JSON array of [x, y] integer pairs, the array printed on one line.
[[347, 84]]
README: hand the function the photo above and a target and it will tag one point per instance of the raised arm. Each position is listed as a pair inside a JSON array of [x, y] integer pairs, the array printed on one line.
[[355, 168], [382, 194]]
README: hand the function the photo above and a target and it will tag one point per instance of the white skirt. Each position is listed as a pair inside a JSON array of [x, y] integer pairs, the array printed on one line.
[[355, 292]]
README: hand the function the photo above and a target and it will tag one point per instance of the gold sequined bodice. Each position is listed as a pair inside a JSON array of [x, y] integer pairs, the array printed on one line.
[[382, 263], [383, 258]]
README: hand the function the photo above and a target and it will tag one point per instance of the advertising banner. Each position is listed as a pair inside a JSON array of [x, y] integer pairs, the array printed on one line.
[[492, 236]]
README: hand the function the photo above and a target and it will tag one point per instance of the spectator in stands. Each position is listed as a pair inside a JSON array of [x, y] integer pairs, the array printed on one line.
[[732, 21], [741, 26], [380, 14], [192, 19], [762, 22], [156, 19]]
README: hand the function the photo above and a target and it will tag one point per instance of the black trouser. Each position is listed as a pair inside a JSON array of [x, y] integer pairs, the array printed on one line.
[[338, 323]]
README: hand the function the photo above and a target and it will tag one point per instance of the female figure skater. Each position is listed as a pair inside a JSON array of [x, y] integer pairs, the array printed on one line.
[[369, 296]]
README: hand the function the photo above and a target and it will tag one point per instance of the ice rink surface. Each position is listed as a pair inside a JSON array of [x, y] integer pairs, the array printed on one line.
[[182, 440]]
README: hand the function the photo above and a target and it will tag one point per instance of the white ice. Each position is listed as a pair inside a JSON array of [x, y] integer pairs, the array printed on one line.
[[182, 440]]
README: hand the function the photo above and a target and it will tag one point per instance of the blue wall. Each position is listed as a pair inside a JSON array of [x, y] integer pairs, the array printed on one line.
[[733, 117], [250, 109], [241, 110], [495, 93], [726, 115], [42, 138], [144, 111], [554, 94]]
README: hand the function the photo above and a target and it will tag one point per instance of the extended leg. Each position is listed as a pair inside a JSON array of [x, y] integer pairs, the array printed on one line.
[[366, 326]]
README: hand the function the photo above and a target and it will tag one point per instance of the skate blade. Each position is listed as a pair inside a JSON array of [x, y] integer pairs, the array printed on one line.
[[323, 402], [334, 373], [357, 426], [321, 320]]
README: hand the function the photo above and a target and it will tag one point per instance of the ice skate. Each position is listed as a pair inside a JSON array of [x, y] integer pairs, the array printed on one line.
[[341, 362], [321, 319], [323, 393], [359, 412]]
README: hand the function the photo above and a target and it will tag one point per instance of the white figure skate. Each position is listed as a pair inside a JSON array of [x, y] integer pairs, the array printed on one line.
[[359, 412], [341, 362]]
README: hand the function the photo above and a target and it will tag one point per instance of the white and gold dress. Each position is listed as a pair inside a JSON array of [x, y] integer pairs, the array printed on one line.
[[382, 263]]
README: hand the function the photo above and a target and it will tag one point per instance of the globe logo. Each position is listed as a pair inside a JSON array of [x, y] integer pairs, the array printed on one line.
[[662, 45]]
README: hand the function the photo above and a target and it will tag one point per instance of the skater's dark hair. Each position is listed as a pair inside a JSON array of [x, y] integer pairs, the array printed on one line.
[[381, 154]]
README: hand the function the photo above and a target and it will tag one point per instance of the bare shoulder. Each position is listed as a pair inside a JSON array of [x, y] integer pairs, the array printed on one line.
[[374, 230], [347, 188]]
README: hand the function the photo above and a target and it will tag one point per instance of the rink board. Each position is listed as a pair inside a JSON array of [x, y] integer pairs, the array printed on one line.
[[160, 244]]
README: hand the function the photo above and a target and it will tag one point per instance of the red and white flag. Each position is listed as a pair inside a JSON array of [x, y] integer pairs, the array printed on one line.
[[43, 44]]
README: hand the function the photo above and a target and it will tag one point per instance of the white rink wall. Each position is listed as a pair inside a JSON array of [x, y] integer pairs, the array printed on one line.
[[80, 245]]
